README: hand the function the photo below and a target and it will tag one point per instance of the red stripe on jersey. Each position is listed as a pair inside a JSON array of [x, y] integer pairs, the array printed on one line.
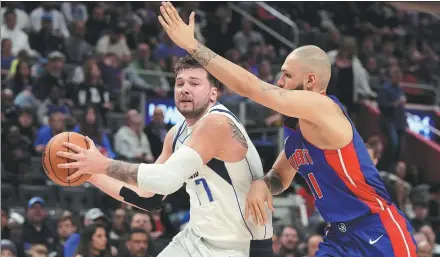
[[346, 165], [401, 240]]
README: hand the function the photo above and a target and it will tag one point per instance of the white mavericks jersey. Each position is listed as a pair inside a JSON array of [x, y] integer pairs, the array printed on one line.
[[218, 191]]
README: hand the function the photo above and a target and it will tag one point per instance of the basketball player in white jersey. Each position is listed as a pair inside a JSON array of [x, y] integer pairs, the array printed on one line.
[[211, 152]]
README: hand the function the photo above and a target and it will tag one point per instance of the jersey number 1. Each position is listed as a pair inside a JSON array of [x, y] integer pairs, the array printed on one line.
[[206, 187], [314, 185]]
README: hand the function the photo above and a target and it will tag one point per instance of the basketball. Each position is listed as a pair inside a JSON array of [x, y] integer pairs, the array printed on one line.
[[51, 160]]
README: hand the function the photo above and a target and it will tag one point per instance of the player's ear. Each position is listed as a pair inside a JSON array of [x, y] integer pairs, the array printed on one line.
[[310, 81], [214, 94]]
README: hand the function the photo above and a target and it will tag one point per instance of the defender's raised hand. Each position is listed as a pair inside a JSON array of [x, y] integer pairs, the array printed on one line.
[[182, 34]]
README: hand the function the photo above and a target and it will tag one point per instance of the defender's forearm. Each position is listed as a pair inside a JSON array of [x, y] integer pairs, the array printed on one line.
[[274, 182]]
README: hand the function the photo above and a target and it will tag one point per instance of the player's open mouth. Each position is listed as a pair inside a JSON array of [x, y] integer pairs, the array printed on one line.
[[186, 101]]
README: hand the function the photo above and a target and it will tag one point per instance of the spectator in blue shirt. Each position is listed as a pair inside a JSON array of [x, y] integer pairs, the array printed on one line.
[[392, 100], [46, 132]]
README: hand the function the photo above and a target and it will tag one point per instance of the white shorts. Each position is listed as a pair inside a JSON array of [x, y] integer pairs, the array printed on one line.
[[188, 244]]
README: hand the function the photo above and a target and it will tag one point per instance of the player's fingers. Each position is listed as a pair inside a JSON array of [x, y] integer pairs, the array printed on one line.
[[192, 19], [90, 142], [254, 214], [166, 17], [67, 155], [73, 147], [262, 211], [163, 23], [74, 175], [174, 12], [270, 203], [259, 214], [246, 210], [70, 165]]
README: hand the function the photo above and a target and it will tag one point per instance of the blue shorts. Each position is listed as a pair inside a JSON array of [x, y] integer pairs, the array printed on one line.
[[384, 234]]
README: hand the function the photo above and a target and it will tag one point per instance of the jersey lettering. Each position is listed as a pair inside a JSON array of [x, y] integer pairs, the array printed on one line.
[[300, 158]]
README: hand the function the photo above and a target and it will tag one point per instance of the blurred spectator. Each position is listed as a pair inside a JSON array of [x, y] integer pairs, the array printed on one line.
[[143, 61], [65, 229], [4, 222], [115, 43], [22, 17], [349, 80], [392, 100], [92, 216], [7, 57], [421, 215], [8, 248], [111, 71], [47, 9], [230, 97], [47, 39], [52, 104], [312, 245], [38, 250], [137, 243], [265, 72], [36, 228], [91, 125], [131, 142], [276, 245], [45, 133], [244, 38], [22, 56], [430, 235], [77, 47], [289, 242], [96, 25], [8, 109], [424, 249], [156, 132], [150, 26], [119, 225], [53, 76], [22, 79], [434, 206], [374, 74], [15, 225], [167, 49], [93, 91], [16, 153], [135, 35], [220, 25], [74, 11], [94, 242], [10, 30]]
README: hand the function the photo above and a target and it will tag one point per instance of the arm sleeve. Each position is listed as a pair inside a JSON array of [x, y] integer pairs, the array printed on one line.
[[167, 178]]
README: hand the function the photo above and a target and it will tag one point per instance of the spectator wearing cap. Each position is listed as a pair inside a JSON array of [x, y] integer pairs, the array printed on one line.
[[48, 9], [52, 104], [10, 30], [115, 43], [15, 226], [36, 229], [53, 76], [47, 39], [93, 216], [8, 248]]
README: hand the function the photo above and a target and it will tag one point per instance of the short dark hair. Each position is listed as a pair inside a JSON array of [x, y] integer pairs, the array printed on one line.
[[188, 62], [136, 231]]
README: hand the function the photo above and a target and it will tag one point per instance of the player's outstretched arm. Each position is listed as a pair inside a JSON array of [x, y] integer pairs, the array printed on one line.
[[130, 194], [294, 103], [274, 182]]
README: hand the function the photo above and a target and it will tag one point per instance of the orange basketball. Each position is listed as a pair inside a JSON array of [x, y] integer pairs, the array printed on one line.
[[51, 160]]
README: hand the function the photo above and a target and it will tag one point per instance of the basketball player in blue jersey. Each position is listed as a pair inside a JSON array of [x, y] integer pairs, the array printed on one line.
[[324, 147], [211, 152]]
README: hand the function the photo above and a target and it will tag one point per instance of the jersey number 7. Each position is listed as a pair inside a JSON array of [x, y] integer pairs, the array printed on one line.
[[205, 186]]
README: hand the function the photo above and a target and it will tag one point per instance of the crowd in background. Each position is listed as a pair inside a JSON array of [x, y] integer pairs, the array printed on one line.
[[66, 66]]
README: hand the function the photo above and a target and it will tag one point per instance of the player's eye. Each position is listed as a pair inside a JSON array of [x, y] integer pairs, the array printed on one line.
[[288, 76]]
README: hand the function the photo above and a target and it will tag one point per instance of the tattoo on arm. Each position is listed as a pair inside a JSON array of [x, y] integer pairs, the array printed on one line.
[[267, 87], [236, 133], [123, 171], [203, 54], [274, 182]]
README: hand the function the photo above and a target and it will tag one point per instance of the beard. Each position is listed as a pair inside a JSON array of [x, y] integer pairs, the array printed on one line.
[[196, 111]]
